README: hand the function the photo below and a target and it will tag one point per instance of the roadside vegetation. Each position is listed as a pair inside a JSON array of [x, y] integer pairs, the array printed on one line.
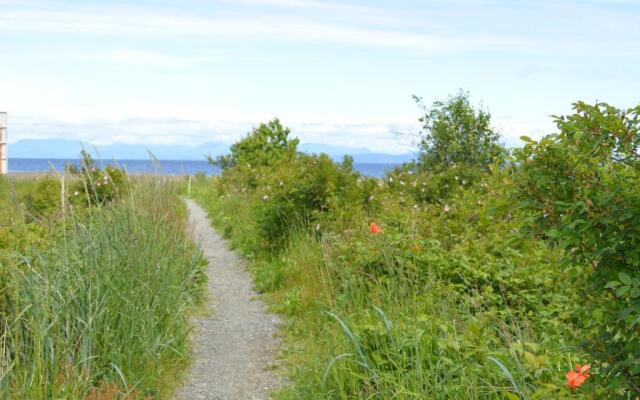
[[97, 285], [473, 273]]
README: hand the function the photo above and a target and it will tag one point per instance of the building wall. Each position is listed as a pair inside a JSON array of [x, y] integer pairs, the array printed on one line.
[[4, 146]]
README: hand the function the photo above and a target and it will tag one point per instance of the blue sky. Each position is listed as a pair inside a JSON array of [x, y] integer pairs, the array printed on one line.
[[337, 72]]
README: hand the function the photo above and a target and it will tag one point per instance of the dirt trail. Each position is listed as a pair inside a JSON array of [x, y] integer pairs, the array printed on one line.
[[235, 344]]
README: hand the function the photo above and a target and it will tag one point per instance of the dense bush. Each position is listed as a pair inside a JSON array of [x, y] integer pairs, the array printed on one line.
[[447, 295], [44, 199], [300, 193], [263, 146], [454, 132], [582, 185], [95, 185]]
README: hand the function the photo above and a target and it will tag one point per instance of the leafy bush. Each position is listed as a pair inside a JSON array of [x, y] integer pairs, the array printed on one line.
[[447, 298], [95, 185], [262, 146], [296, 193], [45, 198], [582, 185], [290, 189], [454, 132]]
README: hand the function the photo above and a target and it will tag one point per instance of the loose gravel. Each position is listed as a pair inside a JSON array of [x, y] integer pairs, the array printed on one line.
[[235, 343]]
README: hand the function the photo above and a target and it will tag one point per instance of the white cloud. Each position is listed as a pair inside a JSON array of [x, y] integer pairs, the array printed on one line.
[[296, 30], [142, 58], [74, 101], [314, 5], [391, 138], [375, 137], [511, 130]]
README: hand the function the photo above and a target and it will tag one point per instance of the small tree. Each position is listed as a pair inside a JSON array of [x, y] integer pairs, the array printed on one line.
[[261, 147], [453, 131]]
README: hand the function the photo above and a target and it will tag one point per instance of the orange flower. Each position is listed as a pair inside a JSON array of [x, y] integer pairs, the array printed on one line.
[[374, 228], [577, 377]]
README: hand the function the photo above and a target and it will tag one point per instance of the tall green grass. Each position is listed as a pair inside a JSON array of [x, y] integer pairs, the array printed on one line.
[[12, 191], [101, 311]]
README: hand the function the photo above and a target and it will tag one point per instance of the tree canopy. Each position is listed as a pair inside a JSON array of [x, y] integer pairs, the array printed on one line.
[[262, 146], [455, 132]]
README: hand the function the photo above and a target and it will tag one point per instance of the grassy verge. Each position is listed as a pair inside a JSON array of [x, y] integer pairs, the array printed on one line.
[[454, 304], [95, 304]]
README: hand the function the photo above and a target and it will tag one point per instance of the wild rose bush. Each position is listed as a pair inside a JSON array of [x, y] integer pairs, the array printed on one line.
[[95, 185], [455, 287], [429, 282], [582, 186], [288, 189]]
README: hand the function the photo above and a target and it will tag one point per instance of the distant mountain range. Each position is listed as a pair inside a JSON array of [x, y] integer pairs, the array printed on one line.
[[67, 149]]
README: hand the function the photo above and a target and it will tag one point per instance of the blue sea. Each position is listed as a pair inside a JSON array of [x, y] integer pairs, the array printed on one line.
[[166, 167]]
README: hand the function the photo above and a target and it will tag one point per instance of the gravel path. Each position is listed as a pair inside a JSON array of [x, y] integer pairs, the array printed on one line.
[[234, 345]]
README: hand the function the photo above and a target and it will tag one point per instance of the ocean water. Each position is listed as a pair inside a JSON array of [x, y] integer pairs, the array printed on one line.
[[163, 167]]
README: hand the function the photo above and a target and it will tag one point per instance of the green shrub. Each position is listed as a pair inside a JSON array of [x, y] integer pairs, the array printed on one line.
[[454, 132], [45, 198], [264, 145], [582, 184], [95, 185], [295, 193], [451, 300]]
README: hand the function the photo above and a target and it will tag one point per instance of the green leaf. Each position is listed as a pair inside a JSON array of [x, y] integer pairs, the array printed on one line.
[[527, 139], [597, 314], [554, 233], [635, 293], [612, 284], [622, 290], [624, 278]]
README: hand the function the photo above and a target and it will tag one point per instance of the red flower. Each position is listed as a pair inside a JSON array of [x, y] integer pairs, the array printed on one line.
[[577, 377], [374, 228]]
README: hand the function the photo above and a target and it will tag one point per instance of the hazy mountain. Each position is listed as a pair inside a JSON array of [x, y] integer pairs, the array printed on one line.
[[67, 149], [49, 148], [318, 148], [360, 155]]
